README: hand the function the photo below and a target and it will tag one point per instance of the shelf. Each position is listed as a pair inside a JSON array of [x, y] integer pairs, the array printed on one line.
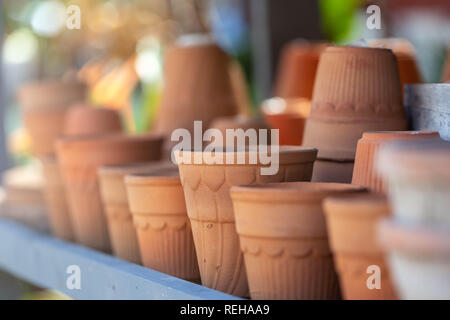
[[43, 260]]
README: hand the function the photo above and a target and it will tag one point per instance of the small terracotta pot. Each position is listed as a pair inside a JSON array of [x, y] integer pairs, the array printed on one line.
[[406, 58], [162, 224], [82, 119], [79, 160], [419, 259], [206, 189], [352, 223], [43, 105], [55, 198], [297, 69], [283, 236], [366, 154], [289, 116], [357, 90], [197, 86], [417, 175], [332, 171], [121, 229]]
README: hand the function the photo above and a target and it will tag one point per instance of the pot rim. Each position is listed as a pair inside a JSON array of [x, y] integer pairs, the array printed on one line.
[[103, 139], [166, 176], [388, 135], [356, 49], [287, 155], [131, 168], [413, 238], [358, 205], [292, 191]]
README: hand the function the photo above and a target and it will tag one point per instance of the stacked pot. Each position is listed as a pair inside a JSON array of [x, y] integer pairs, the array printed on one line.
[[356, 90], [418, 236]]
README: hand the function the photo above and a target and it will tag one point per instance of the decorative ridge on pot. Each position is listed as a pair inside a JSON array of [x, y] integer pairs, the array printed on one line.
[[367, 151], [159, 212], [283, 236]]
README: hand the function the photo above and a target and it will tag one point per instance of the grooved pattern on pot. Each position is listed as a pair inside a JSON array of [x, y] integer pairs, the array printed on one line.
[[210, 209], [172, 248], [291, 269], [363, 171]]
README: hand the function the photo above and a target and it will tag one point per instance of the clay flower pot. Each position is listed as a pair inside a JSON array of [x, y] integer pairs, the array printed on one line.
[[419, 258], [55, 198], [82, 119], [446, 72], [297, 69], [43, 106], [327, 170], [406, 58], [197, 86], [79, 160], [283, 236], [417, 175], [352, 226], [209, 207], [356, 90], [289, 116], [162, 224], [115, 202], [366, 154]]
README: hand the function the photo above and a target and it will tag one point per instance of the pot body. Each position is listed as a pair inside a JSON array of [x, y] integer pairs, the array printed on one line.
[[332, 171], [210, 210], [80, 159]]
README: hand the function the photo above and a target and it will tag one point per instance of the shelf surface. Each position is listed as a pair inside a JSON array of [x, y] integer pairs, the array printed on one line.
[[44, 260]]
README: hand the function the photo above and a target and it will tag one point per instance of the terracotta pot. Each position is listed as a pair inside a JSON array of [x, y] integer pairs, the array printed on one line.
[[289, 116], [352, 223], [283, 236], [357, 90], [206, 189], [417, 176], [406, 58], [162, 224], [83, 119], [332, 171], [297, 69], [366, 154], [43, 107], [446, 73], [197, 86], [419, 259], [79, 160], [121, 229], [55, 198]]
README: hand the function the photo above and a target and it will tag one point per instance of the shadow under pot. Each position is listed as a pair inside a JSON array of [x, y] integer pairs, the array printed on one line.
[[210, 210], [121, 229], [80, 159], [162, 224], [360, 263], [283, 236]]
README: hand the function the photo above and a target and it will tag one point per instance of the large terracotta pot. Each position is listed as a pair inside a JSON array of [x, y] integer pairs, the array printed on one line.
[[419, 259], [55, 199], [417, 175], [446, 72], [297, 69], [209, 207], [366, 154], [197, 86], [352, 224], [357, 90], [162, 224], [44, 105], [83, 119], [283, 236], [121, 229], [289, 116], [79, 160]]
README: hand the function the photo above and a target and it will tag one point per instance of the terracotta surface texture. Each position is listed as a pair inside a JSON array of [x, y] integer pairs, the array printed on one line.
[[43, 105], [366, 154], [209, 207], [297, 69], [352, 226], [79, 160], [446, 71], [55, 198], [162, 224], [357, 90], [283, 236]]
